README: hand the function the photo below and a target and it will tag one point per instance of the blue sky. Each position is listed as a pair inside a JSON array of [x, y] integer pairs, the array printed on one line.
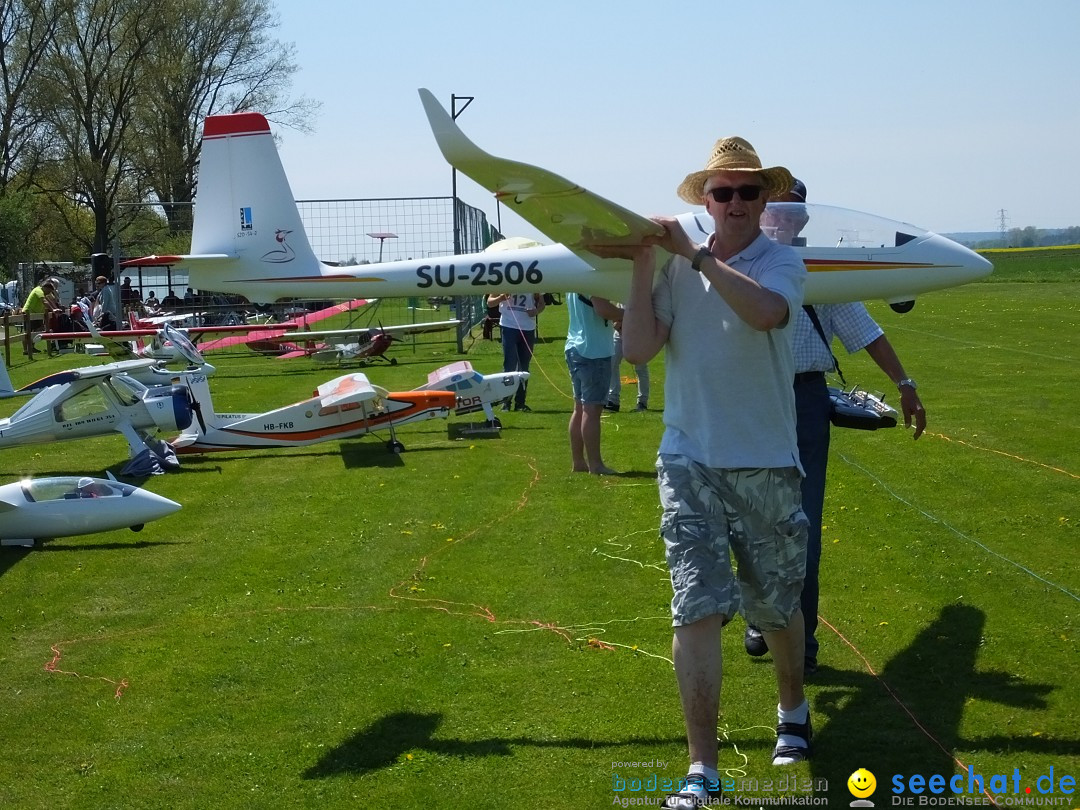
[[935, 113]]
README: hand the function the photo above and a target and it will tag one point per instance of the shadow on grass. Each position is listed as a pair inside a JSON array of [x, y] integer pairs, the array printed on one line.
[[49, 545], [384, 742], [369, 454], [650, 474], [933, 679], [10, 555]]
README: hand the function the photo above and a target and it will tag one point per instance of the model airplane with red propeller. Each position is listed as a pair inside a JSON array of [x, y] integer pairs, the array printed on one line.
[[365, 345]]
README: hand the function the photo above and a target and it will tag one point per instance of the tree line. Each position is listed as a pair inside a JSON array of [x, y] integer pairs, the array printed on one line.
[[101, 105], [1031, 237]]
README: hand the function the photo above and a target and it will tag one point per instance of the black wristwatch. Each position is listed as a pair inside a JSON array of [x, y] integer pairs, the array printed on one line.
[[699, 257]]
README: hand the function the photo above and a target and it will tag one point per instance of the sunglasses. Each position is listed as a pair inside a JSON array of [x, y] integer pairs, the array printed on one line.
[[724, 194]]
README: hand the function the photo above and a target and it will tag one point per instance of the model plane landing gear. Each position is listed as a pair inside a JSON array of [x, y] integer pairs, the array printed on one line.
[[395, 447]]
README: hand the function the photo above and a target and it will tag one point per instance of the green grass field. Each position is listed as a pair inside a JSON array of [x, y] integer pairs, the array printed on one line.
[[471, 625]]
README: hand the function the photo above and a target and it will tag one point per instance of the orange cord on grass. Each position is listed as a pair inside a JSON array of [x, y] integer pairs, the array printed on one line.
[[53, 666], [1002, 453]]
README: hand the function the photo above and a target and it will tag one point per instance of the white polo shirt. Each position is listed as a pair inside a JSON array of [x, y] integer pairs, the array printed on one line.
[[728, 400]]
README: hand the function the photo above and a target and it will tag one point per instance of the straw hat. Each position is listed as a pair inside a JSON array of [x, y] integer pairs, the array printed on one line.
[[734, 155]]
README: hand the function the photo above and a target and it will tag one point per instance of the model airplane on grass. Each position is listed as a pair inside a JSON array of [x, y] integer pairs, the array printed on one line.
[[99, 400], [135, 398], [248, 238], [365, 345], [45, 508], [475, 391], [344, 408]]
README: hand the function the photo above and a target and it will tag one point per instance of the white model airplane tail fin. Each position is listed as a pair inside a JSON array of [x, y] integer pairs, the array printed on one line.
[[244, 205], [247, 235], [141, 344], [6, 389]]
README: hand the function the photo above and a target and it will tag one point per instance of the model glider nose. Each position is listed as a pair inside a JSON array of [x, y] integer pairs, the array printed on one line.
[[970, 265]]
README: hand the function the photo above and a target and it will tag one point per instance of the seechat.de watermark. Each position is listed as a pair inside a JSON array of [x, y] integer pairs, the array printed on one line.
[[1048, 789]]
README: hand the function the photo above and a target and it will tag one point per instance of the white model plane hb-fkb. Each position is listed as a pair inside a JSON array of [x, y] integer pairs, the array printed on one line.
[[248, 237]]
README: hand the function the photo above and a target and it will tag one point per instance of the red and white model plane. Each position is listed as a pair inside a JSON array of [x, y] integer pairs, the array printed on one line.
[[248, 237], [475, 391], [365, 345]]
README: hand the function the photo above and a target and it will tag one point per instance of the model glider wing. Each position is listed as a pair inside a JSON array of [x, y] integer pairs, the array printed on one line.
[[559, 208], [88, 373]]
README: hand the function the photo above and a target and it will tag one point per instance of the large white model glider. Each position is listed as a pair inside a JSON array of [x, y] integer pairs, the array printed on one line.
[[248, 238]]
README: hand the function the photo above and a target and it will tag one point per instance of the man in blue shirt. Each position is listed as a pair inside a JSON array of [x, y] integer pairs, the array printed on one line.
[[590, 343]]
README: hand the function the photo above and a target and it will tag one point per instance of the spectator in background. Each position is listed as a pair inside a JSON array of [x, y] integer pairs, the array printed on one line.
[[171, 301], [589, 345], [129, 296], [615, 387], [38, 307], [150, 303], [517, 325], [107, 304], [813, 360]]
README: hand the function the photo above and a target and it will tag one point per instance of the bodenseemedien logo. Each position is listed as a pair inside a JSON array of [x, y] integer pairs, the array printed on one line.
[[862, 785]]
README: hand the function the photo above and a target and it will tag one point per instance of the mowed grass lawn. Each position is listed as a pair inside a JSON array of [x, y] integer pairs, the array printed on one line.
[[471, 625]]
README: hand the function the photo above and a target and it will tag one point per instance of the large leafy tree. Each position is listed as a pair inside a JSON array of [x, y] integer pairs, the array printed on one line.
[[27, 28], [210, 56], [101, 103], [92, 76]]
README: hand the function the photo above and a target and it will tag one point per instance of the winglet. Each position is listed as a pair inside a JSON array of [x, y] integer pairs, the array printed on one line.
[[562, 210], [456, 148]]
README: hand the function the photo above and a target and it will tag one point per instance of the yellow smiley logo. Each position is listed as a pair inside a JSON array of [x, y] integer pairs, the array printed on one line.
[[861, 783]]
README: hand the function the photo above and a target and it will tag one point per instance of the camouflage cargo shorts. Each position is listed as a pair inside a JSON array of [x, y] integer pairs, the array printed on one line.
[[757, 514]]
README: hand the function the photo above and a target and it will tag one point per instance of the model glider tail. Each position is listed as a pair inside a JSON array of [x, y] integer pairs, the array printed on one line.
[[6, 389], [246, 225]]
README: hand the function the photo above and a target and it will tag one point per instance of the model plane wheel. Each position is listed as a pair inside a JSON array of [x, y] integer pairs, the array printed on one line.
[[393, 361], [902, 307], [495, 423], [395, 447]]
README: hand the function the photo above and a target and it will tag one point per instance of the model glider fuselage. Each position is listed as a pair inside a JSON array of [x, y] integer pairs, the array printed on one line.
[[44, 508], [248, 237], [344, 408]]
